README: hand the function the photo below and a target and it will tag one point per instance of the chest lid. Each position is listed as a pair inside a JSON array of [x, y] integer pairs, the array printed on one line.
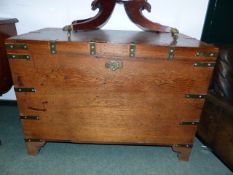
[[133, 44]]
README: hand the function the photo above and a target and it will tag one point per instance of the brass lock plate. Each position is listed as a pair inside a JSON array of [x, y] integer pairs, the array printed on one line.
[[114, 65]]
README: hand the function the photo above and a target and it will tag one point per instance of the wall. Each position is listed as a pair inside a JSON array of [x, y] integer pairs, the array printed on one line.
[[186, 15]]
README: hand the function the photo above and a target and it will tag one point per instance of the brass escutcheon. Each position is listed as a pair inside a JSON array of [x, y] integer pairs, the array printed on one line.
[[114, 65]]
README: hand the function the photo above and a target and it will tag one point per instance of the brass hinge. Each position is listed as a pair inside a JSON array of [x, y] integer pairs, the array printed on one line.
[[132, 50], [196, 96], [195, 123], [33, 140], [171, 53], [206, 54], [25, 90], [92, 47], [53, 47], [29, 118], [20, 57], [16, 46], [204, 64]]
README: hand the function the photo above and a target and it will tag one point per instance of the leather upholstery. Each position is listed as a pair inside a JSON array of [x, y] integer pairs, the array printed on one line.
[[223, 76]]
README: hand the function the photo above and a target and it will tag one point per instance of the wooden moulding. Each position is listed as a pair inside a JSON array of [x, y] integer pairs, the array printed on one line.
[[34, 146]]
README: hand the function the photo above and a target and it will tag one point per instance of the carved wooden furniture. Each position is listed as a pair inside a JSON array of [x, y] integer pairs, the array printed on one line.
[[111, 87], [7, 29], [133, 9]]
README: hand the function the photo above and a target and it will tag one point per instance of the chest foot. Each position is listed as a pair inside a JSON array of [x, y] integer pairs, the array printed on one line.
[[34, 147], [183, 151]]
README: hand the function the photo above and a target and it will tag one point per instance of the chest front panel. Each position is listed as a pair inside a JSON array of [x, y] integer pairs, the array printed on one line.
[[110, 97]]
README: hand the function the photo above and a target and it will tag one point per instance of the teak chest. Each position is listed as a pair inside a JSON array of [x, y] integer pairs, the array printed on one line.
[[111, 87]]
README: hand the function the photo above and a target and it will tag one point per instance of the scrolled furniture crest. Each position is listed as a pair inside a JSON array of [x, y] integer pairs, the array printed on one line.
[[133, 9]]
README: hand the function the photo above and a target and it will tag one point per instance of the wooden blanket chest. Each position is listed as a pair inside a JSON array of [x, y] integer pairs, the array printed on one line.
[[111, 87]]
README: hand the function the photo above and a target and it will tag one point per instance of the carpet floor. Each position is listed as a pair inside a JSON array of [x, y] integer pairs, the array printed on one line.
[[89, 159]]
